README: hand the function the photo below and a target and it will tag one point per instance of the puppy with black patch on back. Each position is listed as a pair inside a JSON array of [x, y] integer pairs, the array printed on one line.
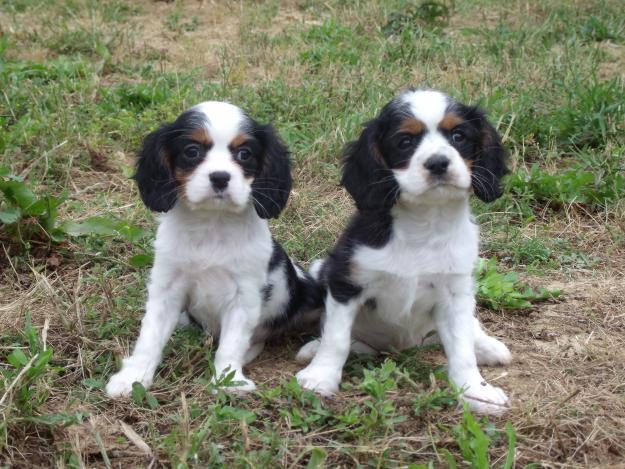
[[403, 267], [217, 175]]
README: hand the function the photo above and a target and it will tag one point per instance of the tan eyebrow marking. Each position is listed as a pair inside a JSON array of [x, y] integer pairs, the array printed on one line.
[[412, 126], [450, 121], [201, 135], [239, 140]]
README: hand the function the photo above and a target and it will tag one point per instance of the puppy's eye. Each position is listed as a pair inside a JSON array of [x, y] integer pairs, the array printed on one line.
[[243, 154], [405, 143], [192, 151], [458, 136]]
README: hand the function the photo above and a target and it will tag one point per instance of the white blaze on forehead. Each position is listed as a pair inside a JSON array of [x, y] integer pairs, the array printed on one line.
[[427, 106], [224, 120]]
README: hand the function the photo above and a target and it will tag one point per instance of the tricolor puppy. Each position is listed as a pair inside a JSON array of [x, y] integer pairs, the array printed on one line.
[[218, 175], [403, 267]]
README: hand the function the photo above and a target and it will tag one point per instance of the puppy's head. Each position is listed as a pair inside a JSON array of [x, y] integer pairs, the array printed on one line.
[[423, 145], [214, 157]]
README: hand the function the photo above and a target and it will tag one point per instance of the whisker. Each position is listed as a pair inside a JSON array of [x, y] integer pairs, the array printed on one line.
[[258, 204], [267, 197]]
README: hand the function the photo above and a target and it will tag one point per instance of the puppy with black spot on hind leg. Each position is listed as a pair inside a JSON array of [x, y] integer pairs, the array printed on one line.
[[217, 175], [404, 265]]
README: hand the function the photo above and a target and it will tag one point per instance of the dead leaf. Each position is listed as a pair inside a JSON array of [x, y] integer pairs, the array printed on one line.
[[135, 438]]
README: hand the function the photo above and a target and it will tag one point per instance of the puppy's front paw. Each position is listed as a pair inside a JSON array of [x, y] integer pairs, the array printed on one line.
[[239, 384], [324, 381], [120, 384], [242, 386], [485, 399]]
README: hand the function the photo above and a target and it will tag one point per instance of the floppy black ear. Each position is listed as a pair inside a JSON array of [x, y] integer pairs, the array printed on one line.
[[365, 173], [272, 186], [154, 175], [489, 165]]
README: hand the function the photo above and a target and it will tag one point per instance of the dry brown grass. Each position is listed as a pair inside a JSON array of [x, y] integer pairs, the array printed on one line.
[[567, 382]]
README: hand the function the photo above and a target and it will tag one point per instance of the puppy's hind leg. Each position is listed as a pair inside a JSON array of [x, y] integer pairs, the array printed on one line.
[[184, 320], [253, 352], [309, 350], [488, 350], [360, 348]]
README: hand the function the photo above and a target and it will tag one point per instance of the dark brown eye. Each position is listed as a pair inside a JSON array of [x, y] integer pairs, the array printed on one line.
[[405, 143], [458, 136], [243, 154], [192, 151]]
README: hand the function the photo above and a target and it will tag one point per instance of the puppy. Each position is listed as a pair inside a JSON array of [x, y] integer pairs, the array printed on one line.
[[218, 176], [404, 265]]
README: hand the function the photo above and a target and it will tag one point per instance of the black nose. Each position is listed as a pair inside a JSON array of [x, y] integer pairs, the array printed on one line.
[[437, 164], [219, 180]]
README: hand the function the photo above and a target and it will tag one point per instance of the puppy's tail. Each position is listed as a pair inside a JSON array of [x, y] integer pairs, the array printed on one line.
[[316, 273], [316, 269], [307, 300], [306, 297], [311, 289]]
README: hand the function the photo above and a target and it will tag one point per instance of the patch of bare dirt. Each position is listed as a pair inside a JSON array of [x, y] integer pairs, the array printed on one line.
[[613, 65], [568, 377], [212, 24]]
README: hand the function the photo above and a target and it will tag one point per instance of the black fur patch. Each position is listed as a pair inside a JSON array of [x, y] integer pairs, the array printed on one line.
[[272, 183], [367, 228], [305, 294], [161, 153], [266, 291], [367, 174], [277, 255], [485, 150]]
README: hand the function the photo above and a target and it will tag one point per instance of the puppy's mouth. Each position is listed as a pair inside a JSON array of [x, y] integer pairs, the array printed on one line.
[[219, 196], [445, 181], [214, 201]]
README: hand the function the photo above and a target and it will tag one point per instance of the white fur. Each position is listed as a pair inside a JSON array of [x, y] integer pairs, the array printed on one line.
[[216, 267], [211, 258], [421, 281]]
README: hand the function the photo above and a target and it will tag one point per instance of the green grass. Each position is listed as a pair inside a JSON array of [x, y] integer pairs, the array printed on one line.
[[81, 82]]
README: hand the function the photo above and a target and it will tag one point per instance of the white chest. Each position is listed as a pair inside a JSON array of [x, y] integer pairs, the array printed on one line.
[[423, 249], [216, 259], [423, 259]]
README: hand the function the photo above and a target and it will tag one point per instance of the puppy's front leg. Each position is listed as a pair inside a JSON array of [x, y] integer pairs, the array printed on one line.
[[454, 318], [323, 374], [237, 327], [166, 296]]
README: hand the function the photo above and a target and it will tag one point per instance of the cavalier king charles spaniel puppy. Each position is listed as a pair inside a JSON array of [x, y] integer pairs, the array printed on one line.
[[217, 175], [403, 268]]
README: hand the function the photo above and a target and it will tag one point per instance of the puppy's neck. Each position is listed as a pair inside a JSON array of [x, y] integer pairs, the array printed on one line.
[[429, 211], [418, 223], [189, 219]]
